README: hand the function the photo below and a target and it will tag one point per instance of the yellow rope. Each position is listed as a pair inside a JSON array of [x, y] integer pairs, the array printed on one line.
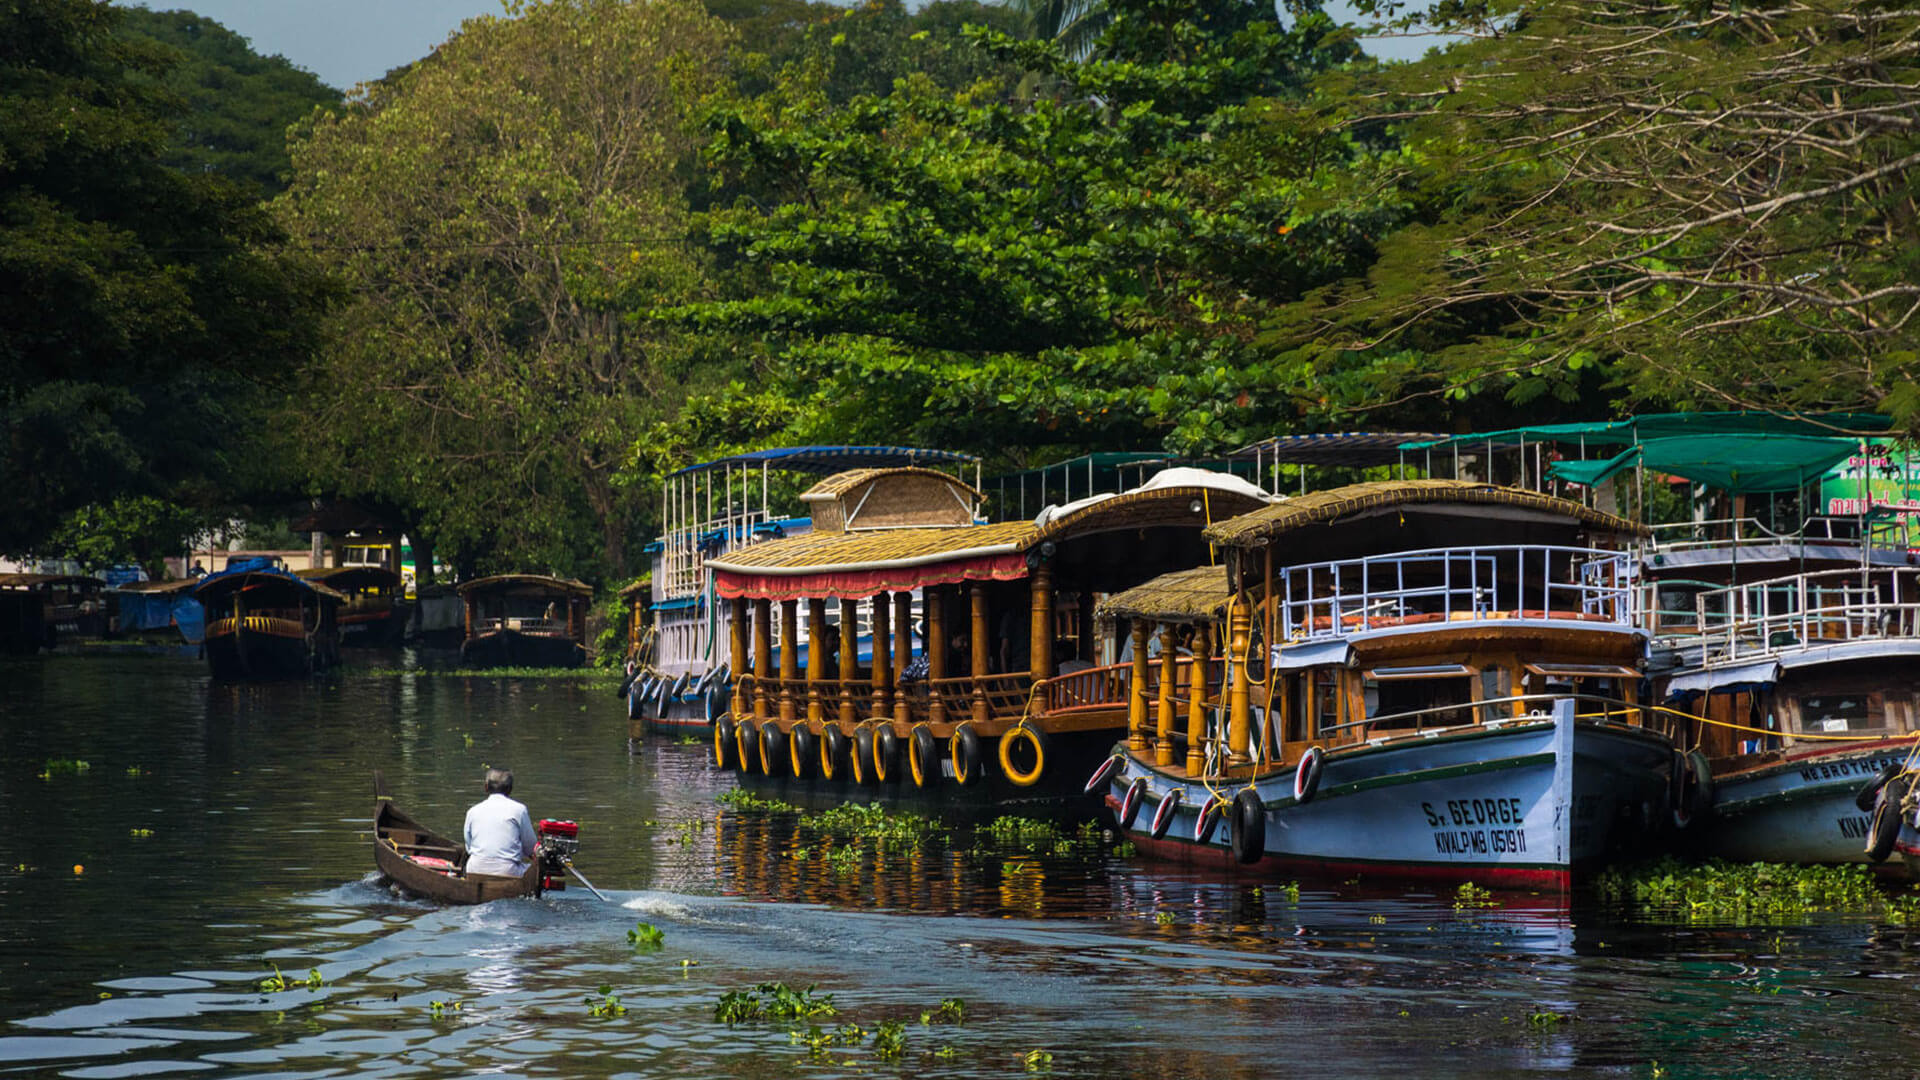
[[1757, 731]]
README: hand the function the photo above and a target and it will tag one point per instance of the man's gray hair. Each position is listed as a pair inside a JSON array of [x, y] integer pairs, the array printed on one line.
[[500, 781]]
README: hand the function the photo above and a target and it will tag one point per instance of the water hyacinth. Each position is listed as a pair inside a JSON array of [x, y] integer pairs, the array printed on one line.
[[1752, 892]]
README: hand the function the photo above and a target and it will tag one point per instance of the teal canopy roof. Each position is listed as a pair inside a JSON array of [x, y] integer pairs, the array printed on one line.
[[1730, 462], [1636, 429]]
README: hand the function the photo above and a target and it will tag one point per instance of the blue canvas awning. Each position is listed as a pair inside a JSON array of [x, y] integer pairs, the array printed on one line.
[[1312, 654], [1734, 677]]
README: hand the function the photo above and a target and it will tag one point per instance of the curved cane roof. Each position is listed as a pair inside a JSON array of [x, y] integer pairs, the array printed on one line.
[[533, 581], [1184, 596], [1271, 522]]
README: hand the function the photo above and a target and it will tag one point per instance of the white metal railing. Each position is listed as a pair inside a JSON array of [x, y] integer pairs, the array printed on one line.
[[1353, 596], [1760, 619], [1827, 530]]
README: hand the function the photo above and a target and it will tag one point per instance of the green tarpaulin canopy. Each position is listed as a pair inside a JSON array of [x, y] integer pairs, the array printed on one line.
[[1638, 429], [1738, 463]]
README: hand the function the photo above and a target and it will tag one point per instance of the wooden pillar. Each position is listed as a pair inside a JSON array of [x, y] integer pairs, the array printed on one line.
[[902, 653], [849, 655], [882, 655], [936, 652], [977, 618], [762, 657], [1137, 693], [737, 656], [816, 657], [1169, 675], [1238, 707], [1040, 588], [1197, 701], [789, 656]]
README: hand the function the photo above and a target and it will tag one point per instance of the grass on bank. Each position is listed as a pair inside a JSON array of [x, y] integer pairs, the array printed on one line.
[[579, 674]]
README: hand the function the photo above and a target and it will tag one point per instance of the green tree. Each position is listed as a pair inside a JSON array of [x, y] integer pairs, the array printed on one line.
[[1711, 202], [1080, 270], [146, 316], [239, 104], [497, 212]]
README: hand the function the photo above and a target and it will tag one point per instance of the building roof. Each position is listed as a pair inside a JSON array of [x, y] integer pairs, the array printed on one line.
[[1342, 448], [1268, 523]]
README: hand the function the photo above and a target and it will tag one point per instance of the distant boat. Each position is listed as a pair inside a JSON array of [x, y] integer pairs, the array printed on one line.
[[67, 605], [159, 611], [376, 610], [264, 622], [525, 620]]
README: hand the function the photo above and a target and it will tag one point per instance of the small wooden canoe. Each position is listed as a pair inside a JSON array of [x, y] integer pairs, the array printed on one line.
[[430, 865]]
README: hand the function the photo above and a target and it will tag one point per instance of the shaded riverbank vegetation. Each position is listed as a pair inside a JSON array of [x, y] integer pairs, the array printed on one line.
[[498, 293]]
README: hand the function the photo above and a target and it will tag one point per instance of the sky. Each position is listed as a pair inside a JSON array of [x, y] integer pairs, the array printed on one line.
[[351, 41]]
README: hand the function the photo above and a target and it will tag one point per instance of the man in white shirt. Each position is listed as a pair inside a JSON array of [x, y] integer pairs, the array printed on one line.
[[500, 837]]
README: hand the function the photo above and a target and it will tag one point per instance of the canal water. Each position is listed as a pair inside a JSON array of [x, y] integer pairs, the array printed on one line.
[[216, 836]]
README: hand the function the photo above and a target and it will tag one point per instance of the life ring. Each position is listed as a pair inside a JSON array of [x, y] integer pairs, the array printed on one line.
[[1130, 802], [833, 753], [886, 754], [862, 755], [1208, 819], [1102, 775], [965, 750], [1010, 744], [923, 756], [772, 749], [747, 740], [1163, 814], [1247, 827], [1306, 775], [802, 751], [1884, 827], [1865, 797], [724, 754]]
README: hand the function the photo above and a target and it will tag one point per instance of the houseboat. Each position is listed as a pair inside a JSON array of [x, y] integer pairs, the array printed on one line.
[[159, 612], [264, 622], [681, 678], [1426, 678], [525, 620], [40, 609], [999, 691], [376, 610]]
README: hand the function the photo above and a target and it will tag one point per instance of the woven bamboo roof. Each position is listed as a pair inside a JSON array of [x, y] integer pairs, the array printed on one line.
[[1198, 594], [532, 581], [158, 587], [840, 483], [636, 588], [28, 581], [353, 577], [1323, 507], [889, 547]]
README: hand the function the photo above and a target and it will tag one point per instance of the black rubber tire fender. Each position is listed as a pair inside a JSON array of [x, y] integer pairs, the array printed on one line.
[[773, 750], [747, 741], [965, 750], [886, 754], [833, 753], [1867, 795], [923, 756], [1025, 735], [862, 757], [1130, 802], [1163, 813], [1883, 828], [725, 754], [1104, 774], [1306, 775], [1208, 820], [803, 751], [1247, 827]]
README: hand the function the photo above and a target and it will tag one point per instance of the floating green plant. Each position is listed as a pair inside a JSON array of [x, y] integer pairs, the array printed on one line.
[[278, 983], [1164, 918], [139, 834], [889, 1040], [1545, 1020], [1038, 1061], [63, 767], [853, 821], [772, 1001], [645, 936], [743, 800], [950, 1011], [608, 1004], [1752, 892], [1470, 897], [443, 1010]]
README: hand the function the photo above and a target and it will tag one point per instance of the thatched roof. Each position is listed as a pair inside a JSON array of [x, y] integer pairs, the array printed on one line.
[[1184, 596], [840, 483], [891, 547], [158, 587], [354, 577], [643, 586], [1269, 523], [530, 582], [30, 581]]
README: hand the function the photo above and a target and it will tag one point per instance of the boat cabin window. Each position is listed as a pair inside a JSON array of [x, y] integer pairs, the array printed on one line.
[[1318, 710], [1605, 681], [1441, 695], [1841, 714]]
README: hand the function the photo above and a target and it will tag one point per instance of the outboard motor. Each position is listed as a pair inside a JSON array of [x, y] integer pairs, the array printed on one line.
[[558, 841]]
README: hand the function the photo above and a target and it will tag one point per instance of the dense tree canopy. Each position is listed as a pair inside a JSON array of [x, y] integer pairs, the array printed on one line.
[[144, 313]]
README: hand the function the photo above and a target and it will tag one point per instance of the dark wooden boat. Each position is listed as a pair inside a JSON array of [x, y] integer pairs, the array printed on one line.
[[375, 612], [266, 623], [427, 864], [525, 620]]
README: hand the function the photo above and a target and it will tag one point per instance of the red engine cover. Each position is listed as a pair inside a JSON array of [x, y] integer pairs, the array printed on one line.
[[550, 827]]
